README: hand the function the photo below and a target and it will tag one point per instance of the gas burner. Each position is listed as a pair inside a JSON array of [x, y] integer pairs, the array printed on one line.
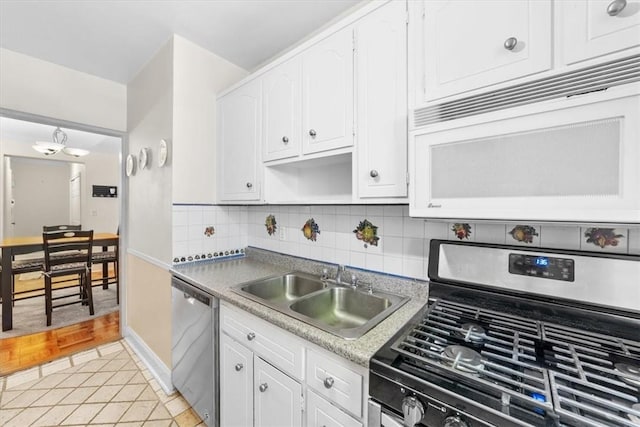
[[472, 332], [462, 359], [630, 371], [634, 418]]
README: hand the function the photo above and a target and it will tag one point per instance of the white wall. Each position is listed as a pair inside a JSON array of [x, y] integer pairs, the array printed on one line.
[[41, 194], [34, 86], [198, 75], [150, 118]]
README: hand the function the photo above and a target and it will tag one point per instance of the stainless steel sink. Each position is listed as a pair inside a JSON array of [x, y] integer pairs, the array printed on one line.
[[283, 289], [343, 311]]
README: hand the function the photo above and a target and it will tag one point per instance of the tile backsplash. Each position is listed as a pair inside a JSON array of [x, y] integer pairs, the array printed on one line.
[[374, 237]]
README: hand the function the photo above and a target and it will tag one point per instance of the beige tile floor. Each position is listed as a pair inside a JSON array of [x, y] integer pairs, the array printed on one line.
[[105, 386]]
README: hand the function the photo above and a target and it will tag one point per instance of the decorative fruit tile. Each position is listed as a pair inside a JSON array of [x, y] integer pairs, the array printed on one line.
[[462, 231], [367, 232], [270, 224], [604, 239], [310, 230], [523, 234]]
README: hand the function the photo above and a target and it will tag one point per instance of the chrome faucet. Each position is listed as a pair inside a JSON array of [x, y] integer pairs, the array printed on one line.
[[341, 270]]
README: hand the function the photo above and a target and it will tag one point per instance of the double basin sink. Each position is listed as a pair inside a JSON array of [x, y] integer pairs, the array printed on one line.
[[341, 310]]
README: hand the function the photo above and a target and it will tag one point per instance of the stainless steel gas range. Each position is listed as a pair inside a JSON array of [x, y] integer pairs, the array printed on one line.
[[515, 336]]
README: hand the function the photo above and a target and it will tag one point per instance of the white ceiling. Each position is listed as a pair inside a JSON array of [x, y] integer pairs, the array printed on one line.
[[113, 39], [29, 133]]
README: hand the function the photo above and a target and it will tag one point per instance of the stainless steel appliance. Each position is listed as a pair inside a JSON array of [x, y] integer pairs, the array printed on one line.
[[195, 348], [515, 336]]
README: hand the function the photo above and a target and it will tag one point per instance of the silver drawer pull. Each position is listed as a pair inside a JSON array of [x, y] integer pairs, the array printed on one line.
[[249, 185], [263, 387], [328, 382], [251, 336], [616, 6], [285, 139], [312, 133], [239, 367], [510, 43], [373, 173]]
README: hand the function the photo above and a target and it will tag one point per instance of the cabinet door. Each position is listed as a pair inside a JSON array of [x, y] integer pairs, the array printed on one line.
[[282, 102], [381, 80], [468, 44], [321, 413], [236, 384], [587, 30], [327, 93], [278, 398], [239, 142]]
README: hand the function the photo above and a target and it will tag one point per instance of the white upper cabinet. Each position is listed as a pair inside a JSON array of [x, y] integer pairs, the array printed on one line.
[[327, 93], [381, 92], [239, 131], [461, 45], [282, 100], [592, 28]]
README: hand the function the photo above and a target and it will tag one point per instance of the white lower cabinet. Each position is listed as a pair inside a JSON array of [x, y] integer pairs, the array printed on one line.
[[321, 413], [236, 383], [254, 393], [277, 398], [266, 380]]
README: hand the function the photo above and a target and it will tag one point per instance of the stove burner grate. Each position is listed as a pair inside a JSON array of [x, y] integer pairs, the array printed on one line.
[[503, 362]]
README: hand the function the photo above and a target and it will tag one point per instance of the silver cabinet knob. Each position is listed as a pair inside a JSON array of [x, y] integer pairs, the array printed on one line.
[[249, 185], [616, 6], [285, 139], [251, 336], [373, 173], [510, 43], [328, 382], [239, 367], [263, 387], [312, 133]]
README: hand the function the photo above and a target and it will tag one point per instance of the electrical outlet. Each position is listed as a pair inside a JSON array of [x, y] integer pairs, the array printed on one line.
[[282, 234]]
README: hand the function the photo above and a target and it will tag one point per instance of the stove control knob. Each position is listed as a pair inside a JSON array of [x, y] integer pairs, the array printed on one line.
[[413, 411], [455, 421]]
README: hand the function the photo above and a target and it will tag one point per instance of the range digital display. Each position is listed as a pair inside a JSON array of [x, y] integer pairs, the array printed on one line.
[[542, 266], [542, 261]]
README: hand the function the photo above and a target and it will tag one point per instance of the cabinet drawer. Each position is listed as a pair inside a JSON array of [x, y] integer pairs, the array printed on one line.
[[269, 342], [322, 413], [335, 381]]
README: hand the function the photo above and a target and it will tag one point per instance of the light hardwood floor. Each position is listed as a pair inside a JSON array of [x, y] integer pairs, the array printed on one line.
[[23, 352]]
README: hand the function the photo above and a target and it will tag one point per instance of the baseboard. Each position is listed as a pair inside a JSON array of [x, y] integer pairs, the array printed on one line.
[[156, 367]]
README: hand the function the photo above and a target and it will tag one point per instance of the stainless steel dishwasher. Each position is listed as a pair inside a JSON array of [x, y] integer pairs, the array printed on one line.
[[195, 348]]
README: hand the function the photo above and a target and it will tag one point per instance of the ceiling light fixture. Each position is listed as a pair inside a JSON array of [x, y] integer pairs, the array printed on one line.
[[58, 144]]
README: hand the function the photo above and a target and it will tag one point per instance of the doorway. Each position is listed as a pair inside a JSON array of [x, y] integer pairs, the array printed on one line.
[[26, 171]]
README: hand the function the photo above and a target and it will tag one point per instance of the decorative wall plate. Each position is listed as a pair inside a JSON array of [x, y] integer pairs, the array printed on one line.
[[143, 159], [163, 153], [130, 165]]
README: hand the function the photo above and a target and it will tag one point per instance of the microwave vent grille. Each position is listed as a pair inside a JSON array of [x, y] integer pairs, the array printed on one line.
[[578, 82]]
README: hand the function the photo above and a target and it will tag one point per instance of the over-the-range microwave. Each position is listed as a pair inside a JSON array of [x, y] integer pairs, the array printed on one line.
[[574, 158]]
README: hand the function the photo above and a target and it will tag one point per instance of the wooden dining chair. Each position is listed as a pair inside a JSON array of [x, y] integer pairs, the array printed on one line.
[[77, 249], [108, 255], [34, 264], [61, 227]]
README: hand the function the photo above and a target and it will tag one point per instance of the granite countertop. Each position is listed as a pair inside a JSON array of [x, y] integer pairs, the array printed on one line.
[[218, 277]]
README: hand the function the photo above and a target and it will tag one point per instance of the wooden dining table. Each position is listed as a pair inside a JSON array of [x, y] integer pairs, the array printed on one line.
[[12, 246]]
